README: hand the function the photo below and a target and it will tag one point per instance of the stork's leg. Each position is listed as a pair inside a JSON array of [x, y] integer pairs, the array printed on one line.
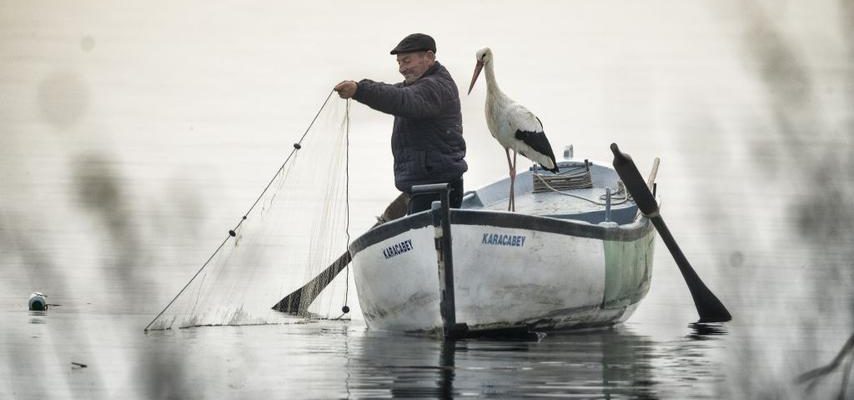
[[513, 184], [512, 178]]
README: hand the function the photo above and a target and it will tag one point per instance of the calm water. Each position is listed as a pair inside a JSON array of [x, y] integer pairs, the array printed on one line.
[[339, 359], [132, 137]]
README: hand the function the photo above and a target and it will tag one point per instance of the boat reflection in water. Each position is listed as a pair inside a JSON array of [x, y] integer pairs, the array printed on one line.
[[613, 363]]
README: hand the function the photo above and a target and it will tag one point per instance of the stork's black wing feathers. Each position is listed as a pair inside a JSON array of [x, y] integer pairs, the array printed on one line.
[[540, 144]]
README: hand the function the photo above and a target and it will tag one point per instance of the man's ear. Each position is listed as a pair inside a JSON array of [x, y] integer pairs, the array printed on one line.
[[431, 55]]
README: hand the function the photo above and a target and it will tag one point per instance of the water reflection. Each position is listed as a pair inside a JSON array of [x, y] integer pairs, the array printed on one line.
[[38, 317], [608, 364], [706, 331], [37, 314], [446, 368]]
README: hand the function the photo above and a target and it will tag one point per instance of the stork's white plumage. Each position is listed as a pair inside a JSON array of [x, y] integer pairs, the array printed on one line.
[[510, 123]]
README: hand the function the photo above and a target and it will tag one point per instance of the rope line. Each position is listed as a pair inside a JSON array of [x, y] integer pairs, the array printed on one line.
[[346, 309], [297, 146], [188, 283], [232, 232]]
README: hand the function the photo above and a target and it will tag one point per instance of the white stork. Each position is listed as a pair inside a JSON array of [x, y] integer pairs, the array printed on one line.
[[512, 124]]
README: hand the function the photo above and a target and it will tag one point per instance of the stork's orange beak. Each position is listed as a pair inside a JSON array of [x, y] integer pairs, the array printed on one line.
[[477, 68]]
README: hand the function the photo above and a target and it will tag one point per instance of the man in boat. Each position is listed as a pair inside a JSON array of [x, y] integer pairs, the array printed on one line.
[[427, 138]]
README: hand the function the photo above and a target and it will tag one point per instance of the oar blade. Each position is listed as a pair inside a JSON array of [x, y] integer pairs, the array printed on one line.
[[298, 301], [708, 306]]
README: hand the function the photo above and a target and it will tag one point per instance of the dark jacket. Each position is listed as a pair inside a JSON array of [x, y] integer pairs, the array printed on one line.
[[427, 139]]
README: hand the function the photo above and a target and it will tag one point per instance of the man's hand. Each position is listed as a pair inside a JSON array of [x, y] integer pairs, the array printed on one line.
[[346, 89]]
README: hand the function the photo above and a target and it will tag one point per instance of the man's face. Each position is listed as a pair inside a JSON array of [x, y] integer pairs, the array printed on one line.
[[413, 65]]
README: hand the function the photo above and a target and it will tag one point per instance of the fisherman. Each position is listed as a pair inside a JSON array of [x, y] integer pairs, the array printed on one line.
[[427, 137]]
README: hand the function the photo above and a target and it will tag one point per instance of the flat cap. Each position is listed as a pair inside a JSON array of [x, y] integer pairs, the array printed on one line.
[[415, 42]]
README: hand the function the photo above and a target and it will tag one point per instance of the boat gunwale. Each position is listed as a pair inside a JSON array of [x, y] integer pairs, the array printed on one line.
[[502, 219]]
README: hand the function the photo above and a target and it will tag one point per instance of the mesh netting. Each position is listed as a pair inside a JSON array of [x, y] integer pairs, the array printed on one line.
[[296, 229]]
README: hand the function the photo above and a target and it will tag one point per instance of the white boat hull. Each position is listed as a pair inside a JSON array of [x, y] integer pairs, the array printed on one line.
[[510, 271]]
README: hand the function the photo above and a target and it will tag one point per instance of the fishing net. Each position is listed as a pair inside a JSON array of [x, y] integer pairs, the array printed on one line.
[[296, 228]]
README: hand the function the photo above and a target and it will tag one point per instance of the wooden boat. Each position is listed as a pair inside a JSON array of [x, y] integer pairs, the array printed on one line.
[[572, 256]]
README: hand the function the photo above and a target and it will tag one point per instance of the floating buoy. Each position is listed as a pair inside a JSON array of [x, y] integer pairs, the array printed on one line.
[[38, 302]]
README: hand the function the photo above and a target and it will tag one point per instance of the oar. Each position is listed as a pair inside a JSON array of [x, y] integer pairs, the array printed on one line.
[[298, 301], [708, 306]]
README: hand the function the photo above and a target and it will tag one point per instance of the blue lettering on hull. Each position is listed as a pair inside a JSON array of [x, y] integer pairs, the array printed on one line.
[[397, 249], [503, 239]]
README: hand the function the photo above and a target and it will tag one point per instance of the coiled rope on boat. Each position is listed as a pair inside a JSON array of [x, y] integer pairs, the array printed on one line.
[[574, 179]]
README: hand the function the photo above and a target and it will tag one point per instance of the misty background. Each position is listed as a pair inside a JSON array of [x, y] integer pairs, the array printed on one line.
[[133, 136]]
